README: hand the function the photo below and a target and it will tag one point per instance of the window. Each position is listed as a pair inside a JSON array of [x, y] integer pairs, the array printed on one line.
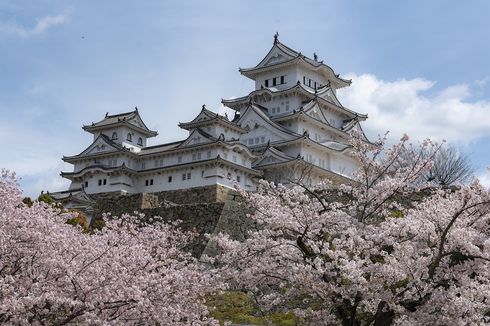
[[100, 182], [274, 81], [156, 163], [129, 138], [105, 182], [256, 140], [140, 141], [304, 80], [86, 184], [199, 156], [188, 176], [170, 178], [234, 158], [251, 141], [262, 139], [151, 182], [237, 178], [282, 79], [194, 156], [143, 165], [267, 83], [209, 154], [179, 159], [114, 136], [184, 176]]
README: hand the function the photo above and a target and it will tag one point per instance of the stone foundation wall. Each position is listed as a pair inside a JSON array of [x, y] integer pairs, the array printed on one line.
[[198, 209]]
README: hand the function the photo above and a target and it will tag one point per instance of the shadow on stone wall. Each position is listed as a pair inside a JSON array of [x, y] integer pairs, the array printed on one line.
[[204, 210]]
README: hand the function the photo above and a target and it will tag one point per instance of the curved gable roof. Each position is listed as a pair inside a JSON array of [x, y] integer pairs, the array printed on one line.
[[130, 119]]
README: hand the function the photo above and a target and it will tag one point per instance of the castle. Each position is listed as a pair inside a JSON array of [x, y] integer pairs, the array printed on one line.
[[291, 128]]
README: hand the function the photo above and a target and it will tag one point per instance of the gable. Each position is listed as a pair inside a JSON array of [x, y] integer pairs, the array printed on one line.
[[195, 138], [136, 121], [274, 56], [316, 112], [260, 125], [100, 145], [272, 156]]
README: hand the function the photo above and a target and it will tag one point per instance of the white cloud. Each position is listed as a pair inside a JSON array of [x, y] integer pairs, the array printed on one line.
[[484, 178], [403, 106], [42, 25]]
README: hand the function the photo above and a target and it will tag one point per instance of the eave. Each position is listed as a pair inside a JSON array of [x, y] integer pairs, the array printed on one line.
[[202, 123], [95, 128]]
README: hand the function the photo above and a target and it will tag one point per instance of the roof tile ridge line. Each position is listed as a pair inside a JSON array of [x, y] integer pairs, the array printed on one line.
[[164, 144], [119, 114], [270, 66], [280, 153], [340, 151], [100, 166]]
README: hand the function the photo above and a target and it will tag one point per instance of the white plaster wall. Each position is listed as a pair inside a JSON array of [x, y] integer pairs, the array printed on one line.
[[288, 74], [315, 76], [343, 165]]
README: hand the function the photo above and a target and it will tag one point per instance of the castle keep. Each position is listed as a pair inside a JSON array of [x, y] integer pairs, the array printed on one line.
[[290, 128]]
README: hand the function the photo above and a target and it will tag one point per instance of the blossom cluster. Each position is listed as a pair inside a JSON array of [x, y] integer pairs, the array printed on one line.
[[130, 272], [385, 249]]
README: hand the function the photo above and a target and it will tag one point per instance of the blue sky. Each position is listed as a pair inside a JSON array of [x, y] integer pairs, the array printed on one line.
[[419, 67]]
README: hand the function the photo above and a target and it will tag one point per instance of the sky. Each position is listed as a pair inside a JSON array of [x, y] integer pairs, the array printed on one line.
[[417, 67]]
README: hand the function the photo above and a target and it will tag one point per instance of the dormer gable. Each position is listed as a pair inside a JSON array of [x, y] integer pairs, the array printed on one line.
[[101, 145], [197, 137], [272, 156], [131, 120]]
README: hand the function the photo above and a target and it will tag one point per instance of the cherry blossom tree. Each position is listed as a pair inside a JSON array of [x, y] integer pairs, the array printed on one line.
[[130, 272], [385, 249]]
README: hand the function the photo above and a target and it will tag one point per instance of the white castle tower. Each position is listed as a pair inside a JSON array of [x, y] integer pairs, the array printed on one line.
[[295, 120], [291, 128]]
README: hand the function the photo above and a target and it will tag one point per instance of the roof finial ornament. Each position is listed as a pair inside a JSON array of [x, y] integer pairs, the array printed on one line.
[[106, 114], [204, 106], [136, 108], [276, 37], [315, 57]]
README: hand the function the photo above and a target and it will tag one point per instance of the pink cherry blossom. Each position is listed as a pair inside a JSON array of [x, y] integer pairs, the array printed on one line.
[[128, 273], [385, 249]]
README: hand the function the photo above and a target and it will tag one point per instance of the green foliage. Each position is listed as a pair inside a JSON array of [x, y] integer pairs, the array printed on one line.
[[237, 307], [397, 214], [97, 224], [27, 201], [45, 198], [79, 219], [398, 285]]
